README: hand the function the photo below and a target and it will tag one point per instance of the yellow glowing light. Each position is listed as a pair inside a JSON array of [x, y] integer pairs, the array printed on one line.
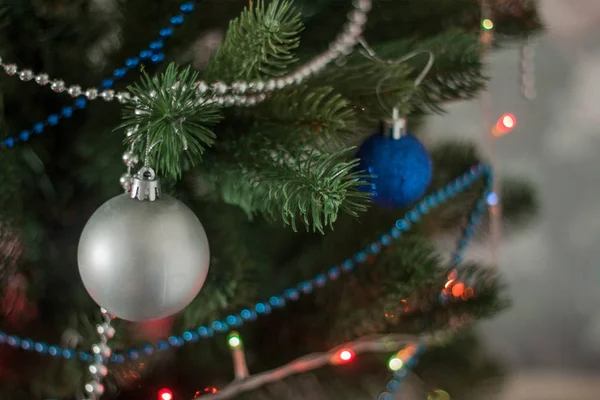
[[439, 395], [395, 364], [487, 24]]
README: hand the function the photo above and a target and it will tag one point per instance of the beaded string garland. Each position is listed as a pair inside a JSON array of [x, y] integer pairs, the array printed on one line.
[[429, 202], [238, 93], [94, 388], [241, 94], [153, 53]]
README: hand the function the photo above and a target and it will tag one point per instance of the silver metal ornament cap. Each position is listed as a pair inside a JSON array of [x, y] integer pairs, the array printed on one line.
[[145, 185], [396, 128]]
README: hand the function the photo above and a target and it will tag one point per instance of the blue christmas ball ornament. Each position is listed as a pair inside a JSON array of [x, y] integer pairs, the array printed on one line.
[[400, 169]]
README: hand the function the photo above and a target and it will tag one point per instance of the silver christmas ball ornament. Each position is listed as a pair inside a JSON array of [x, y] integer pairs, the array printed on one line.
[[143, 255], [130, 158]]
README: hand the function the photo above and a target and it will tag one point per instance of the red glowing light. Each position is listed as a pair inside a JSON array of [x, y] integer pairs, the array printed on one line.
[[345, 356], [509, 121], [505, 124], [458, 289], [165, 394]]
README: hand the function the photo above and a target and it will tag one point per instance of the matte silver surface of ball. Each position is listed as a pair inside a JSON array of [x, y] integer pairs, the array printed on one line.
[[143, 260]]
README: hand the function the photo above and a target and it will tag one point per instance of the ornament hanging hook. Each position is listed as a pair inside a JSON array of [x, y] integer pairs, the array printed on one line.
[[370, 53], [398, 123]]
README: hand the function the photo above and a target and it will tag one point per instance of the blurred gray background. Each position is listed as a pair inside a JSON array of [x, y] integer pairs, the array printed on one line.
[[551, 336]]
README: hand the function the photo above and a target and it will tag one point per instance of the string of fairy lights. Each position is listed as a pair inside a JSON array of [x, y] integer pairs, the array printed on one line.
[[249, 93], [427, 204]]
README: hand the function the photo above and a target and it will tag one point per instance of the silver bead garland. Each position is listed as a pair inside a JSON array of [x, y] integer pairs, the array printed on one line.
[[130, 159], [59, 86], [238, 93], [94, 389]]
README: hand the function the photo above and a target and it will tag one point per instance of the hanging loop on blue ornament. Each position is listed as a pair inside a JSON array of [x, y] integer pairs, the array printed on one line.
[[398, 125], [370, 53], [418, 80]]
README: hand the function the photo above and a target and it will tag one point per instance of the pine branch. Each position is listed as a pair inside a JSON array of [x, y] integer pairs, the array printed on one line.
[[374, 293], [315, 116], [376, 87], [362, 79], [304, 186], [259, 43], [168, 114], [400, 291], [457, 71]]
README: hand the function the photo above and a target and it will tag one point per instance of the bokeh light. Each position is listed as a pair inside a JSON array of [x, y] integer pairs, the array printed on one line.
[[504, 125], [234, 340], [439, 395], [395, 363], [343, 356], [165, 394], [487, 24]]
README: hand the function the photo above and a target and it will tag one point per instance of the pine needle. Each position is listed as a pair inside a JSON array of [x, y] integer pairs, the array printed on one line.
[[259, 43], [308, 187], [172, 118]]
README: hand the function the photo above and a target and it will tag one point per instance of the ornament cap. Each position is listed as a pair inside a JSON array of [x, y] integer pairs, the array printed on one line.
[[395, 129], [145, 185]]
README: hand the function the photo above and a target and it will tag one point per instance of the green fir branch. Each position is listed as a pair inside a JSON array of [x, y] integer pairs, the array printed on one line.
[[457, 73], [308, 186], [317, 116], [168, 115], [259, 43], [373, 87], [376, 86]]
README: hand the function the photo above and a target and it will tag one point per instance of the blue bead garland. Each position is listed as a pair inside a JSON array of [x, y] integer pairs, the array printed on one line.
[[292, 294], [153, 54]]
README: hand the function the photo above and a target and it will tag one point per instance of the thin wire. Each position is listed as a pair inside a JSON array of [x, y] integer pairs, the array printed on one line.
[[398, 124], [495, 211], [371, 344], [371, 54]]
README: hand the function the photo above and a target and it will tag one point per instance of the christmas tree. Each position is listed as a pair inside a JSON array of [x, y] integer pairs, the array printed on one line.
[[283, 127]]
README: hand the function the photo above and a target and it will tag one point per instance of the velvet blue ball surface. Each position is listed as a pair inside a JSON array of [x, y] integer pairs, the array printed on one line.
[[400, 169]]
